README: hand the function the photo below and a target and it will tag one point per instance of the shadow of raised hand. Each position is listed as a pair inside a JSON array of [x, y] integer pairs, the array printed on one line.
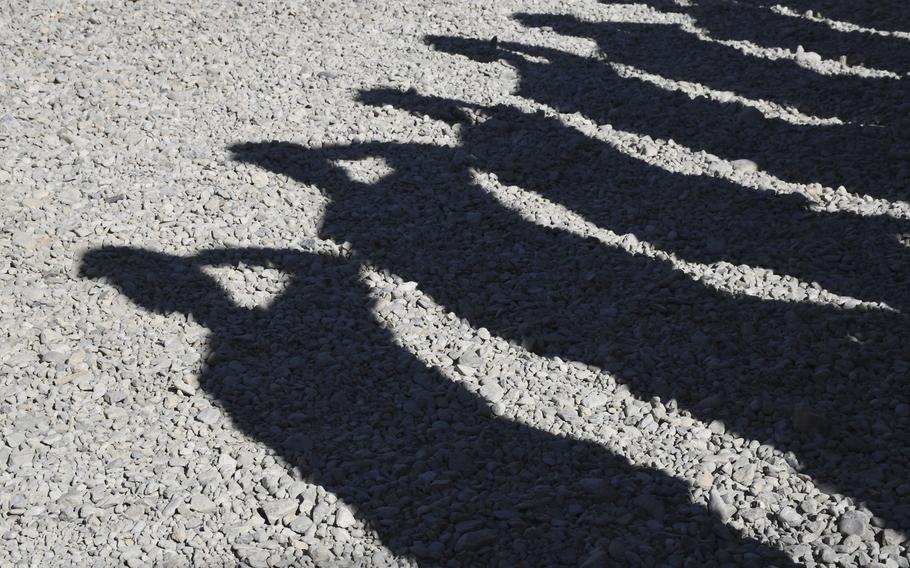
[[763, 367], [420, 459]]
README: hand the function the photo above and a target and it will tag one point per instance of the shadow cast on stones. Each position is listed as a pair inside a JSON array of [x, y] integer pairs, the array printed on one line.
[[820, 380], [418, 457], [421, 458]]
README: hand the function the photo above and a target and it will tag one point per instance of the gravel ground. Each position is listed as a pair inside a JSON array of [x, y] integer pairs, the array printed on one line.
[[448, 283]]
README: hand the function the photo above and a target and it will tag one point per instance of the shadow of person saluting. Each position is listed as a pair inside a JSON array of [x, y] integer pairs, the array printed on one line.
[[824, 382], [761, 24], [866, 154], [698, 218], [419, 457]]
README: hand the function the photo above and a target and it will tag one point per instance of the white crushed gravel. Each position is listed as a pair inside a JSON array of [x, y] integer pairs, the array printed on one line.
[[439, 283]]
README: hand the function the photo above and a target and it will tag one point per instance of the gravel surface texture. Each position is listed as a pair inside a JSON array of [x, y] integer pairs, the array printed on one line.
[[454, 283]]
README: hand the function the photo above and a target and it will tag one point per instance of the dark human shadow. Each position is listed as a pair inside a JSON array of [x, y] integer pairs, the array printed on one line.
[[867, 158], [882, 15], [699, 218], [419, 457], [824, 382], [655, 48], [757, 23]]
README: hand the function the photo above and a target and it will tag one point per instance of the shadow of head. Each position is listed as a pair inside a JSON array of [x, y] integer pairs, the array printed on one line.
[[164, 283], [561, 23], [158, 282], [476, 49]]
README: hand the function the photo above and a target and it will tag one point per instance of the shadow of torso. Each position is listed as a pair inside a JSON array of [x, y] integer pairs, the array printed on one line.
[[801, 376], [419, 457]]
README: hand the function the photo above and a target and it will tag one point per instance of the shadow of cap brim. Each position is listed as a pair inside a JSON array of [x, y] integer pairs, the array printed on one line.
[[108, 261], [555, 21], [478, 50]]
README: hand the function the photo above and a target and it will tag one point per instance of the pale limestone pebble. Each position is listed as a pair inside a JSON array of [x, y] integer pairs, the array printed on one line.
[[276, 511], [259, 178], [202, 504], [744, 165]]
